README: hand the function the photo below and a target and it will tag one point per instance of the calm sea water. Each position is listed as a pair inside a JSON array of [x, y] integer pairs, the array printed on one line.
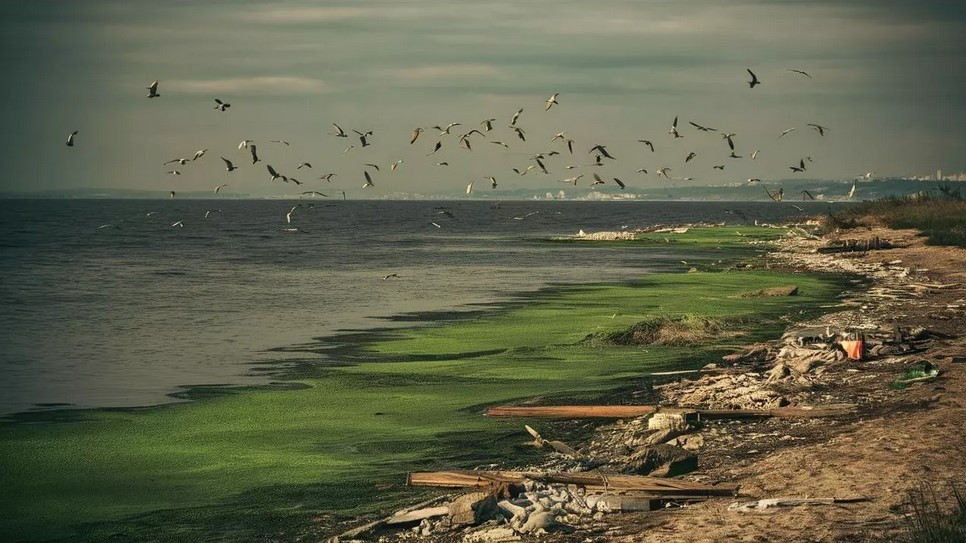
[[128, 314]]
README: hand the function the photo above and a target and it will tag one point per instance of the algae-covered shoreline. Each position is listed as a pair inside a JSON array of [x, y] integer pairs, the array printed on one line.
[[269, 462]]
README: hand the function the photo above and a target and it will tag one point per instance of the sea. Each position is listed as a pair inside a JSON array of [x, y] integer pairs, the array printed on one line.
[[104, 303]]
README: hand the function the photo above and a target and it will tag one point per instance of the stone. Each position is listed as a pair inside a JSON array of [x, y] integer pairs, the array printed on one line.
[[473, 508], [540, 522], [493, 535]]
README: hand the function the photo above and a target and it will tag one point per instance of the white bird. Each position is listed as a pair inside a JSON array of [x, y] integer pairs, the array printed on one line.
[[663, 171], [785, 132], [395, 165], [229, 167], [101, 227], [283, 142], [674, 128], [492, 181], [174, 172], [487, 125], [803, 72], [199, 153], [573, 180], [505, 146], [390, 275], [341, 133], [179, 224], [221, 106], [552, 100], [303, 165], [288, 216], [173, 193], [315, 193], [868, 175], [516, 116], [442, 163], [347, 149], [244, 144], [469, 188], [181, 161], [435, 224], [851, 191], [210, 211], [754, 154], [70, 138], [328, 177], [149, 213], [368, 180], [219, 187], [153, 90]]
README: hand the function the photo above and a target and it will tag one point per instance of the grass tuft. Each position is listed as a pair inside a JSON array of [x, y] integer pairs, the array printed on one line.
[[939, 215], [683, 331], [930, 519]]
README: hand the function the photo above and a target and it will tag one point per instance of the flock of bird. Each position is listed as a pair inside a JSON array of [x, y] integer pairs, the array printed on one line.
[[439, 136]]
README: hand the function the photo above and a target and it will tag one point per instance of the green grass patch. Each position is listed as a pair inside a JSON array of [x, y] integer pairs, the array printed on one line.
[[268, 463], [939, 215]]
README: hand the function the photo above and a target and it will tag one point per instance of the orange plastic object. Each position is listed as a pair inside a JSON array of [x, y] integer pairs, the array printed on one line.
[[853, 349]]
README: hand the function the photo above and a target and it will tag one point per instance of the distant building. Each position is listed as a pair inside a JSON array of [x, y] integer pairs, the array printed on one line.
[[939, 175]]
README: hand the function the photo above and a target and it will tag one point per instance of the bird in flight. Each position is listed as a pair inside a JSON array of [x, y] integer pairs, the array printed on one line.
[[229, 167], [219, 187], [663, 171], [516, 116], [731, 142], [153, 89], [303, 164], [520, 132], [70, 138], [174, 172], [500, 143], [642, 170], [415, 134], [754, 79], [221, 106], [674, 128], [776, 197], [244, 144], [803, 72], [395, 165], [340, 133], [754, 154], [328, 177], [619, 183], [690, 156], [275, 175], [702, 128], [179, 224], [648, 143], [851, 191], [573, 180], [368, 180], [487, 124], [818, 128], [376, 166], [469, 188], [442, 163], [600, 149], [172, 193], [787, 130], [806, 194], [251, 148], [437, 147], [719, 167], [363, 136], [314, 193], [552, 100], [283, 142], [288, 216], [210, 211], [492, 181], [181, 161], [390, 275], [198, 154], [800, 168]]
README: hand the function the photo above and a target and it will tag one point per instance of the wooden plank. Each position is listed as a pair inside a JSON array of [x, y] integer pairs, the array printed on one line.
[[631, 411], [657, 486]]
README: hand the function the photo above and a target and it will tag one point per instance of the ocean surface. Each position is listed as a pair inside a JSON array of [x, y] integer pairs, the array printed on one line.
[[104, 305]]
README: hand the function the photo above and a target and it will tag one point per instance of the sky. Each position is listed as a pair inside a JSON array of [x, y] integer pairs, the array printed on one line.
[[888, 79]]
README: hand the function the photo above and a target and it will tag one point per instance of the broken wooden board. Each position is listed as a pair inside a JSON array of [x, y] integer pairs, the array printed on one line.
[[656, 486], [633, 411]]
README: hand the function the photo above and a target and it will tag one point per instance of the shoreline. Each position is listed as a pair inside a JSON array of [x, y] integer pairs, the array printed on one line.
[[778, 458]]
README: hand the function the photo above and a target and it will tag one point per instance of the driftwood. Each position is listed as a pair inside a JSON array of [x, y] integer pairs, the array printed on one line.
[[632, 411], [653, 486], [373, 526]]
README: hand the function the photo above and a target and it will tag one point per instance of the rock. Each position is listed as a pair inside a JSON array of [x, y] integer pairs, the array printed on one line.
[[789, 290], [662, 436], [663, 460], [540, 522], [473, 508], [692, 443], [675, 421], [492, 535]]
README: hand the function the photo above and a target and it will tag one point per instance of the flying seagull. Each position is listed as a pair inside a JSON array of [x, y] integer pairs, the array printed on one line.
[[777, 197], [442, 163], [288, 216], [328, 177], [469, 188], [516, 116], [520, 132], [340, 132], [819, 128], [70, 138], [663, 171], [799, 72], [437, 147], [283, 142], [219, 187], [602, 150], [368, 180], [787, 130], [244, 144], [500, 143], [198, 154], [806, 194], [229, 167], [221, 106], [691, 155], [172, 193], [674, 128], [181, 161], [363, 136], [251, 148], [800, 168], [414, 135], [395, 165], [346, 150], [492, 181], [376, 166], [275, 175], [754, 79], [619, 183], [852, 191], [552, 100], [390, 275], [642, 170], [210, 211], [304, 164], [597, 181], [754, 154], [573, 180], [487, 124], [702, 128], [719, 167], [174, 172], [648, 143], [179, 224], [153, 89], [314, 193], [731, 142]]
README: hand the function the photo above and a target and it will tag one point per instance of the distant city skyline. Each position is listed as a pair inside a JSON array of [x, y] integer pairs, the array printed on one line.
[[883, 78]]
